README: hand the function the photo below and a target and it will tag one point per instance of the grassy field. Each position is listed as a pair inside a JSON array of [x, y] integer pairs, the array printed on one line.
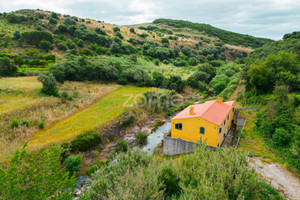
[[253, 142], [168, 69], [106, 109], [20, 100]]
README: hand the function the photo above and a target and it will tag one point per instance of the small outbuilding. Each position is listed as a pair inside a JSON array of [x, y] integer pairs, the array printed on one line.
[[210, 121]]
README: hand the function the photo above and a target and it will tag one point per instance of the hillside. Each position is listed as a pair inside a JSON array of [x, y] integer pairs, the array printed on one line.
[[78, 95], [72, 35]]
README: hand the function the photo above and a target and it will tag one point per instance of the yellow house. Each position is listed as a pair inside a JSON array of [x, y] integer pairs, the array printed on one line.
[[210, 120]]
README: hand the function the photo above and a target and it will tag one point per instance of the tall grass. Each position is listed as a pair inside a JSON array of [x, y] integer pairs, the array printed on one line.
[[105, 110]]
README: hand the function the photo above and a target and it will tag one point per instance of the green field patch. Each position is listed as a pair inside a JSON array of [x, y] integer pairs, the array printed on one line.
[[107, 108]]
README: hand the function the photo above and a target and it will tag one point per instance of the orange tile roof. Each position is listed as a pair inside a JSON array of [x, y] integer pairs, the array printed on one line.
[[212, 111]]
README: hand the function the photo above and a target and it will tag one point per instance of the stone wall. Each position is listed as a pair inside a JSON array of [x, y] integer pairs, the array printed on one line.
[[175, 146]]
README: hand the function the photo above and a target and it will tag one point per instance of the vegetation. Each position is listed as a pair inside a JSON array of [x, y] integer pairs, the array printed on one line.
[[192, 177], [225, 36], [36, 176]]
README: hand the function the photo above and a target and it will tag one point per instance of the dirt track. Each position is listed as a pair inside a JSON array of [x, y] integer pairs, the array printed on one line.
[[282, 180]]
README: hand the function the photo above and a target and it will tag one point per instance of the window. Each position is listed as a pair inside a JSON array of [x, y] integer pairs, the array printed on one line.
[[224, 135], [232, 121], [232, 109], [220, 130], [227, 117], [218, 145], [178, 126], [202, 130], [224, 122]]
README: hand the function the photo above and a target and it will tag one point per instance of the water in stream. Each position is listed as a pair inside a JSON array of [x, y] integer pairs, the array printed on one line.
[[155, 138]]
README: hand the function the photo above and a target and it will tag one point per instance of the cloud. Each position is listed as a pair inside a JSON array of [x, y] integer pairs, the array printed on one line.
[[262, 18]]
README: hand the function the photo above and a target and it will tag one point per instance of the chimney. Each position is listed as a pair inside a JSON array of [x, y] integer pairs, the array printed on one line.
[[220, 99], [191, 110]]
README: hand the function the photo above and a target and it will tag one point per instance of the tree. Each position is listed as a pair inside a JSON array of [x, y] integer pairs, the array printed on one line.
[[36, 176], [52, 20], [69, 21], [45, 45], [100, 31], [164, 41], [34, 37], [7, 67], [116, 29], [17, 34], [80, 43], [54, 15], [132, 30], [118, 33], [73, 163], [49, 84]]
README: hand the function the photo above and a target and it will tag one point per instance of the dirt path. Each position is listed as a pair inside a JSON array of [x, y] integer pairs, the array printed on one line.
[[282, 180]]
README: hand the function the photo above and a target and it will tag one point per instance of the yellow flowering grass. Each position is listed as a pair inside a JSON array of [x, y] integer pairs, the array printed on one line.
[[107, 108], [29, 83]]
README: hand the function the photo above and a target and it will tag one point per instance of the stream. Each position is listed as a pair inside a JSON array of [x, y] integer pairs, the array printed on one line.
[[155, 138]]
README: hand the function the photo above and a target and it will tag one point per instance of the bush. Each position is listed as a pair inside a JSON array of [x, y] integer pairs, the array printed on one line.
[[116, 29], [141, 137], [14, 123], [73, 163], [34, 37], [69, 21], [7, 67], [45, 45], [86, 141], [52, 21], [41, 124], [281, 137], [80, 43], [37, 175], [17, 34], [25, 123], [132, 30], [49, 84], [118, 34], [122, 145]]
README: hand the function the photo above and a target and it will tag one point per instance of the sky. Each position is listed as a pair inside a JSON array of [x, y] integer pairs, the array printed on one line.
[[260, 18]]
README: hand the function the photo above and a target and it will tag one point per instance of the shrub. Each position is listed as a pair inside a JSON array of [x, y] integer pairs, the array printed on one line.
[[73, 163], [141, 137], [7, 67], [54, 15], [80, 43], [34, 37], [49, 84], [14, 123], [38, 175], [41, 124], [116, 29], [118, 34], [52, 21], [100, 31], [17, 34], [122, 145], [45, 45], [86, 141], [281, 137], [25, 123], [69, 21], [132, 30], [38, 28], [64, 96]]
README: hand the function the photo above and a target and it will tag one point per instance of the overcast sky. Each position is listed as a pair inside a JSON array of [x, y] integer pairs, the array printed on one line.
[[261, 18]]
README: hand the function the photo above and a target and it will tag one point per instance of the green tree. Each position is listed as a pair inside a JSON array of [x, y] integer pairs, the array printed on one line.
[[36, 176], [118, 33], [73, 163], [116, 29], [17, 34], [49, 84], [45, 45], [80, 43], [7, 67]]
